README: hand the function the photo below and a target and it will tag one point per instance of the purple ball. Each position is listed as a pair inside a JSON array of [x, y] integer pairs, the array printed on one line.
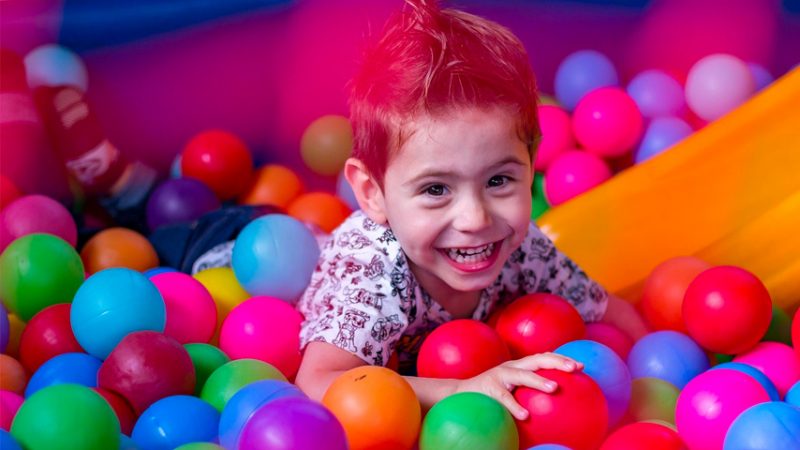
[[5, 328], [179, 201], [293, 423]]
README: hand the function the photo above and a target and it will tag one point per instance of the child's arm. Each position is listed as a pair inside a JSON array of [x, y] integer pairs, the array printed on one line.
[[624, 316]]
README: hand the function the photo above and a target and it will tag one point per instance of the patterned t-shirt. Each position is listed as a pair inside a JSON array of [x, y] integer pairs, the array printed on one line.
[[364, 299]]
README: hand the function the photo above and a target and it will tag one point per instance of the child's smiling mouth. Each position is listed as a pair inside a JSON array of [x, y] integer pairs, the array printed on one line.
[[472, 259]]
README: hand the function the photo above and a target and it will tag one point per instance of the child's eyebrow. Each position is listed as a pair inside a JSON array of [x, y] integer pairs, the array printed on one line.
[[438, 173]]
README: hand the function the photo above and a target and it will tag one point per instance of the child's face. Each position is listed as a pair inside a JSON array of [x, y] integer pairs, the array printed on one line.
[[457, 197]]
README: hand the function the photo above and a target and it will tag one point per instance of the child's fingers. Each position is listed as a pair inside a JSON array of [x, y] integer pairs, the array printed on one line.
[[546, 361], [507, 399], [527, 378]]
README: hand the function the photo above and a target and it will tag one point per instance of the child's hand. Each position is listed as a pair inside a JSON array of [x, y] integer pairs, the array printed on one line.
[[499, 381]]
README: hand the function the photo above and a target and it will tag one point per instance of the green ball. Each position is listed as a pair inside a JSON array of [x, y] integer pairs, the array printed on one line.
[[538, 203], [66, 416], [36, 271], [226, 381], [780, 327], [653, 399], [200, 446], [206, 358], [468, 421]]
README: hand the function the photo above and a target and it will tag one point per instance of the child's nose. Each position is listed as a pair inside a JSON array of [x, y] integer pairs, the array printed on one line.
[[473, 215]]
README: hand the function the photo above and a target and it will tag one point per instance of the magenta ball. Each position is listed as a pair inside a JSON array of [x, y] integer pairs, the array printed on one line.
[[556, 127], [36, 214], [777, 361], [264, 328], [607, 122], [710, 402], [717, 84], [293, 423], [9, 405], [191, 311], [572, 173]]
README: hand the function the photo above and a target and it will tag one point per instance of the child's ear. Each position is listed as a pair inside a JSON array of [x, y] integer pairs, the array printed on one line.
[[366, 189]]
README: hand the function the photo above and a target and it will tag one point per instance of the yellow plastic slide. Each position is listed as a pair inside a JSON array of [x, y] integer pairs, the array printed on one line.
[[729, 194]]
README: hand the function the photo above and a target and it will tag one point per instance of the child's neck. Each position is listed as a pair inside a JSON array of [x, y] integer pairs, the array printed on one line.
[[460, 304]]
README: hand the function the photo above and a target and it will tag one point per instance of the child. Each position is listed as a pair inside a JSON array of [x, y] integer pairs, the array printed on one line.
[[445, 119]]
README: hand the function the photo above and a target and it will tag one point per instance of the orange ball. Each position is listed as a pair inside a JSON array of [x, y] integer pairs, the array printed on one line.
[[662, 297], [15, 328], [274, 185], [12, 375], [377, 408], [326, 144], [324, 210], [118, 247]]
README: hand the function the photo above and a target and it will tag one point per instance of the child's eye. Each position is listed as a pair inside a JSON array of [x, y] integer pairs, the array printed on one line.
[[435, 190], [498, 180]]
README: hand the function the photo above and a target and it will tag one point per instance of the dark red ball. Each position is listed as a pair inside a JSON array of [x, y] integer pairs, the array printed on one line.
[[644, 436], [46, 335], [537, 323], [461, 349]]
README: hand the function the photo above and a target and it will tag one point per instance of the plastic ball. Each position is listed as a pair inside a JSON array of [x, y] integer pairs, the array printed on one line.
[[118, 247], [727, 309], [610, 336], [36, 214], [661, 134], [322, 209], [796, 333], [190, 310], [759, 376], [538, 323], [75, 368], [583, 72], [452, 424], [225, 289], [793, 395], [175, 168], [12, 375], [556, 127], [179, 201], [272, 184], [710, 402], [36, 271], [54, 65], [46, 335], [345, 192], [8, 191], [461, 349], [539, 204], [275, 255], [326, 144], [5, 328], [150, 273], [777, 361], [174, 421], [668, 355], [206, 358], [147, 366], [643, 436], [575, 415], [607, 369], [656, 94], [48, 420], [761, 75], [572, 173], [662, 296], [766, 426], [199, 446], [717, 84], [549, 447], [9, 405], [376, 406], [780, 327], [653, 399], [229, 378], [607, 122], [241, 407], [123, 411], [112, 303], [7, 441], [15, 327], [284, 425], [220, 160]]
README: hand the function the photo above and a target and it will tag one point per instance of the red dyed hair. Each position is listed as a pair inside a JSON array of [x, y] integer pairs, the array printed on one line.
[[431, 61]]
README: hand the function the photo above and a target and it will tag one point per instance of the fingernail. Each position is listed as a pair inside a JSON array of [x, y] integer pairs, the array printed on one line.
[[522, 414], [550, 385], [569, 365]]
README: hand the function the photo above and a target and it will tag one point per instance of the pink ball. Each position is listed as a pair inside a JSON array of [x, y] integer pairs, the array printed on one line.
[[557, 135], [264, 328], [777, 361], [610, 336], [572, 173], [717, 84], [9, 405], [191, 311], [607, 122], [36, 214], [710, 402]]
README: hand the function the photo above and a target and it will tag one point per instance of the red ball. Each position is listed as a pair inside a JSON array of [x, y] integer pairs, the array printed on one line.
[[461, 349], [46, 335], [610, 336], [8, 191], [537, 323], [220, 160], [644, 436], [575, 415], [796, 333], [727, 309], [121, 408], [662, 298], [147, 366]]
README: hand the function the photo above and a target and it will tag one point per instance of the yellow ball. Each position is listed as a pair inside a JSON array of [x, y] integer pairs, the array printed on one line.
[[224, 289], [326, 144]]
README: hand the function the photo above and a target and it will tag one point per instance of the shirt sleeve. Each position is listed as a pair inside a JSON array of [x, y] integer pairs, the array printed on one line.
[[350, 302]]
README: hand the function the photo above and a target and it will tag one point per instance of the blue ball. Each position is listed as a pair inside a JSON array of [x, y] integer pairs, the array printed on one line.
[[111, 304], [5, 328], [54, 65], [768, 385], [75, 368], [345, 192], [275, 255], [150, 273], [766, 426], [245, 402], [580, 73], [174, 421], [661, 134], [549, 447], [607, 369], [126, 443], [793, 395], [667, 355], [7, 441], [656, 94], [761, 75]]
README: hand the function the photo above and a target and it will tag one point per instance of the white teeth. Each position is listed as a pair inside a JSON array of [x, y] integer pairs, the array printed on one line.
[[470, 255]]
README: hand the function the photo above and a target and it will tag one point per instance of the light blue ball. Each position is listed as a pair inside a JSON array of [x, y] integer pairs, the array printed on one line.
[[656, 94], [793, 395], [175, 171], [667, 355], [582, 72], [661, 134], [174, 421], [766, 426], [54, 65], [112, 303], [275, 255], [768, 385], [75, 368], [607, 369], [345, 192]]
